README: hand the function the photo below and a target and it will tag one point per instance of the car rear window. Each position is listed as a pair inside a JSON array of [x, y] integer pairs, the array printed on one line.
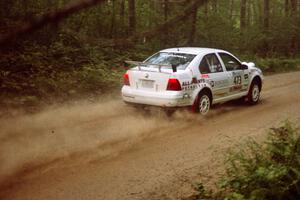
[[182, 60]]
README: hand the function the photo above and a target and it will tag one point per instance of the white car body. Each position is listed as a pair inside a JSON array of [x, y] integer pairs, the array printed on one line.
[[148, 83]]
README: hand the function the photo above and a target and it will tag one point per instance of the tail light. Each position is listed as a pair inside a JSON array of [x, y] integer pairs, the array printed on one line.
[[173, 84], [126, 79]]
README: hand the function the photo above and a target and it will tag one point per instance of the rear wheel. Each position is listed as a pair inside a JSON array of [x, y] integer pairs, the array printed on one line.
[[203, 103], [254, 93]]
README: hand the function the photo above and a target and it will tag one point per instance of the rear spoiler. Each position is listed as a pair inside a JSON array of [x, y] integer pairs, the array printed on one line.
[[127, 63]]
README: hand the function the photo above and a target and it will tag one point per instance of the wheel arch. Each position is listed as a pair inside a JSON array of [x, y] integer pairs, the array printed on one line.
[[203, 90], [257, 79], [206, 90]]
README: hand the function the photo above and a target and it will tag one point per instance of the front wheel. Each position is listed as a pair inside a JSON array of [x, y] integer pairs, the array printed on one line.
[[254, 93], [203, 103]]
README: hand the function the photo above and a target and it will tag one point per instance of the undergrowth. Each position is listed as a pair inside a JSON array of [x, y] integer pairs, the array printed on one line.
[[62, 70], [258, 171], [71, 68]]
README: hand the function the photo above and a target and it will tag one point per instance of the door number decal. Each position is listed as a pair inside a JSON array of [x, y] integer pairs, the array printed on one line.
[[237, 80]]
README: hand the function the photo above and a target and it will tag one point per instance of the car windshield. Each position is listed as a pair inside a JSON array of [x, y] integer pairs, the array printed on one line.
[[181, 60]]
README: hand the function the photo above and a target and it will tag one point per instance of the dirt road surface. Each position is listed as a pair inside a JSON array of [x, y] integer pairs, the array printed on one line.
[[109, 151]]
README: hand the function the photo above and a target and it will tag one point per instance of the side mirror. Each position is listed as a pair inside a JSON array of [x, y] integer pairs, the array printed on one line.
[[244, 67]]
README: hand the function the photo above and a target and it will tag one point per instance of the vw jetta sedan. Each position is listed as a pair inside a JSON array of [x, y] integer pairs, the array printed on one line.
[[196, 77]]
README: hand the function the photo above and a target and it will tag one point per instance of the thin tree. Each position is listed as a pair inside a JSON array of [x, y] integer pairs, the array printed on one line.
[[132, 18], [158, 30], [287, 7], [266, 21], [113, 17], [122, 16], [192, 31], [266, 24], [243, 15], [215, 5], [249, 13], [231, 10], [294, 7], [166, 10], [166, 16]]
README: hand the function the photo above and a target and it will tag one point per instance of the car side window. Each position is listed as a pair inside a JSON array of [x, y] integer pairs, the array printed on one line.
[[230, 62], [210, 64]]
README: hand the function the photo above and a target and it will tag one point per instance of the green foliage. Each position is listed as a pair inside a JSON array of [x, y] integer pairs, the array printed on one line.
[[264, 171], [82, 55], [62, 70], [277, 65], [258, 171], [274, 65], [201, 192], [217, 24]]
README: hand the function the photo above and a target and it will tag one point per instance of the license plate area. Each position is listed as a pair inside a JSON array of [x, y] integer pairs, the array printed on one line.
[[147, 83]]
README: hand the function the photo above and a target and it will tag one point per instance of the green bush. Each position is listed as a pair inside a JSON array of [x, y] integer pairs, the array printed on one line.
[[255, 171], [265, 171], [274, 65], [63, 70]]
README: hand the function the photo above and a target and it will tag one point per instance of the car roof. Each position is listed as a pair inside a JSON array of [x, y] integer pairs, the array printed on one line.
[[192, 50]]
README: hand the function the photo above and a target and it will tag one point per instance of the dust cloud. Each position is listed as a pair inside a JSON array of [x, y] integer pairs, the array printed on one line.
[[83, 132]]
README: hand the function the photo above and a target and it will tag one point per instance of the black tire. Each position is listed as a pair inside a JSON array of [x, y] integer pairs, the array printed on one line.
[[202, 103], [254, 93]]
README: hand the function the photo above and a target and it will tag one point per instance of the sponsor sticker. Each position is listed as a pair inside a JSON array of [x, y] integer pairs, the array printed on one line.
[[204, 76]]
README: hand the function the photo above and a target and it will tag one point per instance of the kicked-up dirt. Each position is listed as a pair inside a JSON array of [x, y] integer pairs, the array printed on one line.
[[111, 151]]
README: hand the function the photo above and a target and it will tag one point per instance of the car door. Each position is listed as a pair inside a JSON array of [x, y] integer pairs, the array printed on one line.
[[212, 72], [238, 78]]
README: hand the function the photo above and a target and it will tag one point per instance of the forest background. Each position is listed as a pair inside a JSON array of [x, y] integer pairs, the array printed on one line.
[[55, 51]]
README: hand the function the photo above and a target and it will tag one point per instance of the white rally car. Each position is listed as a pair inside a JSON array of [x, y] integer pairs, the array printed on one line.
[[197, 77]]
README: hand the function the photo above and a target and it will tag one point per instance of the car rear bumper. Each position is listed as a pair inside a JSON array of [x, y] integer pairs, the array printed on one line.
[[162, 99]]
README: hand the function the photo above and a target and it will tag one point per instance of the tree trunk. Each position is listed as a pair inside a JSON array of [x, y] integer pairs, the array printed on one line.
[[206, 10], [122, 16], [294, 7], [298, 11], [266, 21], [112, 25], [266, 24], [215, 6], [243, 15], [166, 9], [231, 10], [5, 9], [287, 8], [255, 12], [132, 19], [166, 15], [173, 22], [293, 14], [192, 32], [249, 13], [260, 13]]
